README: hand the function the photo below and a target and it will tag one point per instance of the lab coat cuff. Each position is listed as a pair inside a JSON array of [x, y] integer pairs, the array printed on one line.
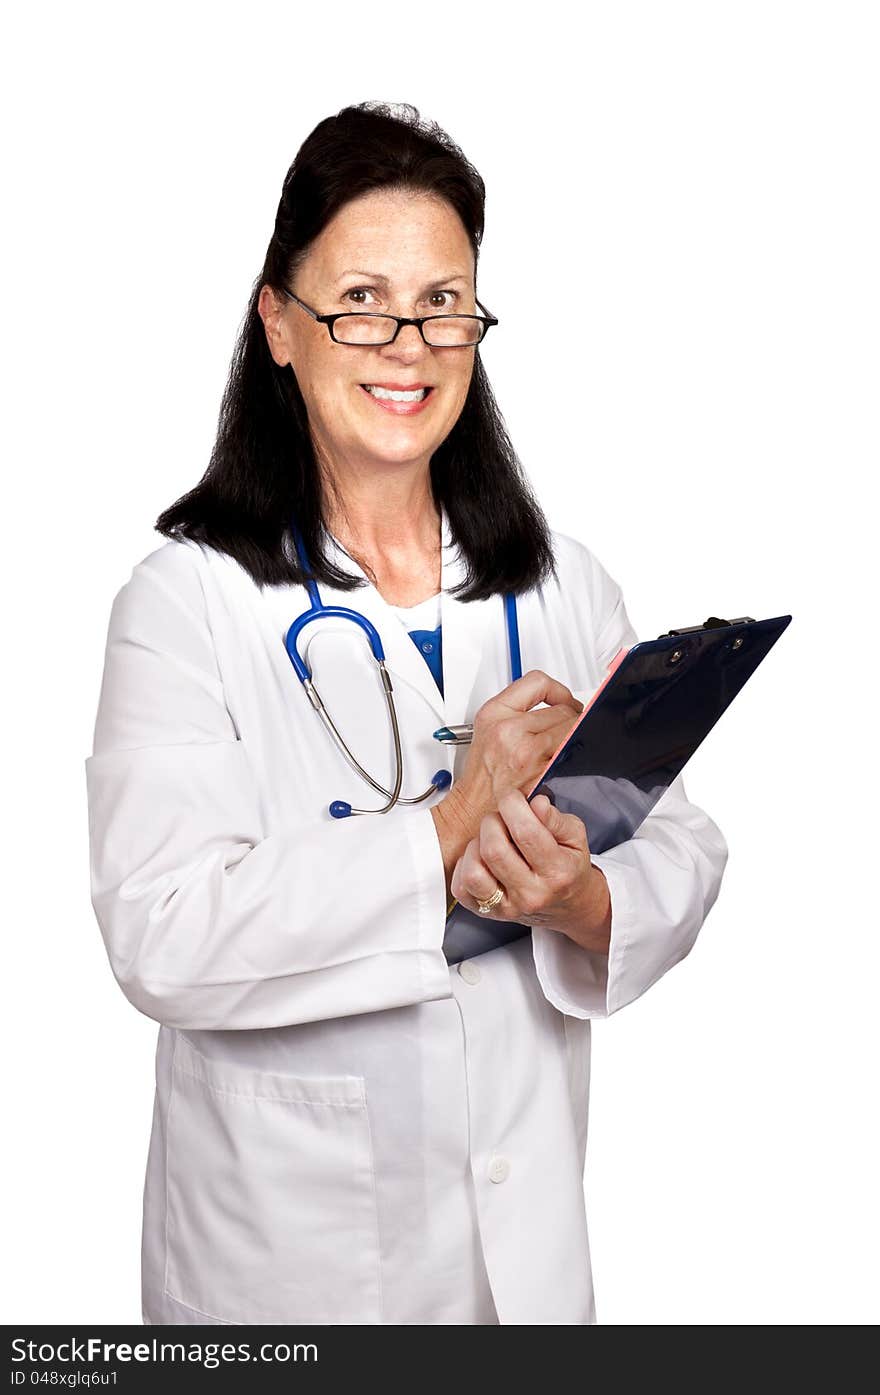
[[430, 881], [582, 982]]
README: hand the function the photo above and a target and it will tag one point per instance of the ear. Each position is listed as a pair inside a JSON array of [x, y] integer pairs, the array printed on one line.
[[271, 312]]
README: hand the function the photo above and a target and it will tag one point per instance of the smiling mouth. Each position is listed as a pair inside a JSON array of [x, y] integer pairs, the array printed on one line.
[[396, 394]]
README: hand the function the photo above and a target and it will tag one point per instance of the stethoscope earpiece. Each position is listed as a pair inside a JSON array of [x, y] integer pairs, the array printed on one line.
[[340, 809]]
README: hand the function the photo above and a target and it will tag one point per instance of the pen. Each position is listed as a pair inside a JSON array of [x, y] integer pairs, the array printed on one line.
[[455, 736]]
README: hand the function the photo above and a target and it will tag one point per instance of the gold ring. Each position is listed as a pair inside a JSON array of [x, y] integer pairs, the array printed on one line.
[[484, 907]]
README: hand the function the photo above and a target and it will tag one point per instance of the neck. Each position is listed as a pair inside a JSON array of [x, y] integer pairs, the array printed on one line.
[[392, 517], [392, 530]]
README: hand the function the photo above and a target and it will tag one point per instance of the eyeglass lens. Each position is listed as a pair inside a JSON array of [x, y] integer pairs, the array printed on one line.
[[380, 329]]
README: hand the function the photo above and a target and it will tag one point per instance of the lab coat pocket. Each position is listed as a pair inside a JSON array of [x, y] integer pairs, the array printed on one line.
[[272, 1212]]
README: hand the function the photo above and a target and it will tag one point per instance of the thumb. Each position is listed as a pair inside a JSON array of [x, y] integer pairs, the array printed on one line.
[[568, 830], [547, 812]]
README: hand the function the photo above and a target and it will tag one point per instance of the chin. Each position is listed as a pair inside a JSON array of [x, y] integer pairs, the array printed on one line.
[[401, 447]]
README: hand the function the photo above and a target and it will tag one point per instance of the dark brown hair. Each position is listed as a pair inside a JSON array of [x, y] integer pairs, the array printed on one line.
[[263, 474]]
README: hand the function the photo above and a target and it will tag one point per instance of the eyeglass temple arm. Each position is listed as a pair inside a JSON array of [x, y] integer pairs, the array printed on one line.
[[307, 308]]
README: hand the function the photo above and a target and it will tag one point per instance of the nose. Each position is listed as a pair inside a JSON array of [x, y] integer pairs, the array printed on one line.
[[407, 347]]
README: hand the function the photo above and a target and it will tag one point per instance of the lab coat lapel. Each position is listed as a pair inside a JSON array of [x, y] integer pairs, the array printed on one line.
[[463, 624], [466, 625]]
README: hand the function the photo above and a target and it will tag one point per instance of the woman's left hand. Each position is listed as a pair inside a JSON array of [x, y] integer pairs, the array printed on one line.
[[540, 858]]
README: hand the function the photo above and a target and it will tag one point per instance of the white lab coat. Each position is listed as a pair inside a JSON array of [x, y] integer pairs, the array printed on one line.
[[346, 1130]]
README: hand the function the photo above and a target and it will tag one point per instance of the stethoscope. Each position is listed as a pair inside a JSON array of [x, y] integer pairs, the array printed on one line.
[[339, 809]]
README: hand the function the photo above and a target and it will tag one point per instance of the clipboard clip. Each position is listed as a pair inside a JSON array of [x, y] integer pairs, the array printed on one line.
[[713, 623]]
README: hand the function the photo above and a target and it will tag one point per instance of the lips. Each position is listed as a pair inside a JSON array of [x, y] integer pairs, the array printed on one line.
[[402, 399], [398, 392]]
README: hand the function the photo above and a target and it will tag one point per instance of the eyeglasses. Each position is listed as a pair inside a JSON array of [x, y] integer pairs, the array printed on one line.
[[368, 327]]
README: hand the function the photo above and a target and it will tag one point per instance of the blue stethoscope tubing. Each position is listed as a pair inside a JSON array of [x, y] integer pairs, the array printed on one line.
[[340, 809]]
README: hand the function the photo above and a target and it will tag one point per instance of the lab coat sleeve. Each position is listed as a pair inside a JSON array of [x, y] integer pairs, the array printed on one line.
[[209, 919], [662, 882]]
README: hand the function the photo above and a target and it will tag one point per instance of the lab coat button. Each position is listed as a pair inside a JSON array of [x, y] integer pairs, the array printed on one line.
[[499, 1170], [469, 971]]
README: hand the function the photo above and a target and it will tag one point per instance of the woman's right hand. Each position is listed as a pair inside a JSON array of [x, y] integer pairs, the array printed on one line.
[[512, 745], [514, 740]]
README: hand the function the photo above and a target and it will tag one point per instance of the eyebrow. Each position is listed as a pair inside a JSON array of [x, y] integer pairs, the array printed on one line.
[[376, 276]]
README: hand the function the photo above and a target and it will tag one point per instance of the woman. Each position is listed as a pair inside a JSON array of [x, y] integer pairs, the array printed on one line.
[[347, 1129]]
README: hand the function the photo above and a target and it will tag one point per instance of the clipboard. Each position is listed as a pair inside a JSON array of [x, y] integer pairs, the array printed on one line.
[[658, 702]]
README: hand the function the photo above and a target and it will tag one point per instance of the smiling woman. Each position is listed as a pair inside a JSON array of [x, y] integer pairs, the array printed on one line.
[[374, 401], [347, 1128], [380, 213], [371, 401]]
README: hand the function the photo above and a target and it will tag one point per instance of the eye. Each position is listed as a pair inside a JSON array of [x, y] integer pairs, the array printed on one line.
[[438, 301], [358, 295]]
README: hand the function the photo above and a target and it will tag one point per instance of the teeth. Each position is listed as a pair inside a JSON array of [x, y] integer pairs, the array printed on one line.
[[387, 395]]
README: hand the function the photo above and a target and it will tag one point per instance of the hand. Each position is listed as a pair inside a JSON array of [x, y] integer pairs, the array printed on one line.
[[513, 742], [540, 858], [512, 746], [514, 739]]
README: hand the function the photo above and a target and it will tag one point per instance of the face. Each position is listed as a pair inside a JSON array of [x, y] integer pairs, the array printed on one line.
[[396, 252]]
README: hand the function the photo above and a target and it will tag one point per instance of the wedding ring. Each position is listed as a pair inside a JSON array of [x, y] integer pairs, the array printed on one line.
[[484, 907]]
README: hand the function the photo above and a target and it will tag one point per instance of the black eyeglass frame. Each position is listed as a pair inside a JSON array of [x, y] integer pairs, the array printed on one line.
[[487, 320]]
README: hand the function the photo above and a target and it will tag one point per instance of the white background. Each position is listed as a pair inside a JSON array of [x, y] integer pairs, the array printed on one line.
[[682, 249]]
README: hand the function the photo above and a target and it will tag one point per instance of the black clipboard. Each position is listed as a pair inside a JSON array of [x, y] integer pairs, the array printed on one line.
[[659, 701]]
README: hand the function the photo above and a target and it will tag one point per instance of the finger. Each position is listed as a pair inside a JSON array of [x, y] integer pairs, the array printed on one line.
[[567, 829], [547, 792], [532, 838], [503, 857], [537, 686], [472, 880], [539, 719]]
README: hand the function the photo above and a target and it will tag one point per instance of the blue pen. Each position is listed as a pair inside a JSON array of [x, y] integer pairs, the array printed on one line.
[[455, 736]]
